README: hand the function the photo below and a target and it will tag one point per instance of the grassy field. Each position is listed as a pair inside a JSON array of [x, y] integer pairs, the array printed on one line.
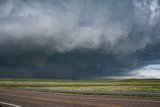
[[136, 87]]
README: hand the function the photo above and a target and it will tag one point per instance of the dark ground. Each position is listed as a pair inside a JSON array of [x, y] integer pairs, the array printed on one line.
[[26, 98]]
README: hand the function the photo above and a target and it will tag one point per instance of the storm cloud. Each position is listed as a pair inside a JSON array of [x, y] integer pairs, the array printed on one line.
[[78, 38]]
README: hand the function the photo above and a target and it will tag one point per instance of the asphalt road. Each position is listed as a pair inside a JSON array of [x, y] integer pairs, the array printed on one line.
[[24, 98]]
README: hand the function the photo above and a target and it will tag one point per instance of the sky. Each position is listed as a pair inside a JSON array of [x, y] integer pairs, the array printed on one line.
[[80, 38]]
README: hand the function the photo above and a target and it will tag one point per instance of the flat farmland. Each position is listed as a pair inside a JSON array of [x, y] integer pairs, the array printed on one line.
[[79, 93], [126, 87]]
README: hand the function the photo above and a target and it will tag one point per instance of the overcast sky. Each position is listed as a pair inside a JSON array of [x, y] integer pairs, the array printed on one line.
[[79, 38]]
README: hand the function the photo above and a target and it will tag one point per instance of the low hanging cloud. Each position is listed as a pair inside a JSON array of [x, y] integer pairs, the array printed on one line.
[[98, 36]]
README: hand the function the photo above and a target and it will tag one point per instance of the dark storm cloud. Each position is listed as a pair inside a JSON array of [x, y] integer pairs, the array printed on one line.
[[76, 38]]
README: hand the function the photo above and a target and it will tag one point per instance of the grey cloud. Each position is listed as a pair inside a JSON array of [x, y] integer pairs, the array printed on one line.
[[33, 33]]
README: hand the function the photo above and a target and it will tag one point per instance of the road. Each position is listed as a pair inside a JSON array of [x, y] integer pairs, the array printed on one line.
[[24, 98]]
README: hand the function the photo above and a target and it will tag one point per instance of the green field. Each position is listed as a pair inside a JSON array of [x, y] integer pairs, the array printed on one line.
[[133, 87]]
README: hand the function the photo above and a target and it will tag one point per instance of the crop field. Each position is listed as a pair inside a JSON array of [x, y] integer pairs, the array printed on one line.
[[133, 87]]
